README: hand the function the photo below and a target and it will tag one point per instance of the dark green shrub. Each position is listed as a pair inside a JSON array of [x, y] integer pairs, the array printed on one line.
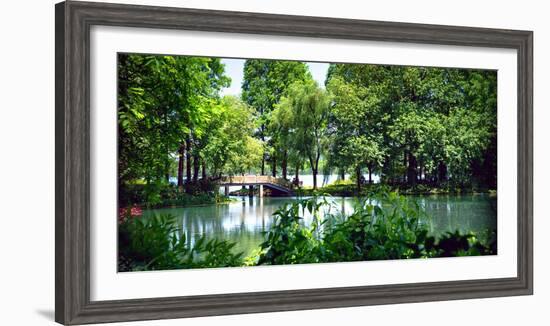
[[454, 244]]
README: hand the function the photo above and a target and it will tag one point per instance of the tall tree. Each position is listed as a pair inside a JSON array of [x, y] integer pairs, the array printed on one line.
[[355, 125], [308, 107], [264, 83], [231, 149]]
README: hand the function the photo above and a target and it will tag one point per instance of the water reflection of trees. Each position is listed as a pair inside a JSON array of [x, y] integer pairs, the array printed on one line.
[[244, 221], [465, 213]]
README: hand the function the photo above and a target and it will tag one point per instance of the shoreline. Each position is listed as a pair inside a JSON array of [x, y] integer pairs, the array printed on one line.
[[489, 193], [347, 192]]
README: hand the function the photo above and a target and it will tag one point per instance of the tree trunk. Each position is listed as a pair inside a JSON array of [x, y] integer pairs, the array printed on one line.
[[188, 164], [370, 173], [188, 159], [342, 174], [405, 163], [421, 170], [358, 177], [167, 164], [196, 167], [263, 165], [284, 164], [411, 170], [181, 159], [203, 170], [441, 173], [314, 164], [263, 154], [274, 166], [314, 171], [297, 175]]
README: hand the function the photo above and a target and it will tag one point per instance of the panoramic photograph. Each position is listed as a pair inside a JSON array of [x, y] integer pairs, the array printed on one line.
[[229, 162]]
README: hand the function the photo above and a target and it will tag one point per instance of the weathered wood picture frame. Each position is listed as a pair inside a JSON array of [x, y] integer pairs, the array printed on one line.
[[72, 182]]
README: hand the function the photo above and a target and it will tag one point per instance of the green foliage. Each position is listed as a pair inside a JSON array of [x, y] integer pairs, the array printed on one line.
[[265, 81], [264, 84], [155, 243], [355, 139], [301, 116], [384, 226], [407, 123], [414, 124], [348, 188], [231, 147], [454, 244], [170, 196], [423, 130], [289, 241], [410, 125], [161, 99], [468, 136], [171, 116]]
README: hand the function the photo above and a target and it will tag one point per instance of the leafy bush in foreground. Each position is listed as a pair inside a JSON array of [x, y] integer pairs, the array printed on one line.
[[154, 244], [391, 230]]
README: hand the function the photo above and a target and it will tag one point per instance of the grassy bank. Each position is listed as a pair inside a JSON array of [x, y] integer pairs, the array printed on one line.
[[348, 188], [168, 196], [188, 200]]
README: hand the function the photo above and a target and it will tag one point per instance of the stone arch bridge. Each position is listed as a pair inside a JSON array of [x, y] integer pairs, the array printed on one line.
[[278, 185]]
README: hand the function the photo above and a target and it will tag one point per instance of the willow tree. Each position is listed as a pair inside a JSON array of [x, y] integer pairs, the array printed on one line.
[[264, 83], [306, 107]]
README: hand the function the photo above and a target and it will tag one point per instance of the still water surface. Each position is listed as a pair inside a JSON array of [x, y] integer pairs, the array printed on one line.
[[244, 220]]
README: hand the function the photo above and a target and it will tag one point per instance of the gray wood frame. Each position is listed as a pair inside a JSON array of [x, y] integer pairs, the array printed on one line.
[[72, 153]]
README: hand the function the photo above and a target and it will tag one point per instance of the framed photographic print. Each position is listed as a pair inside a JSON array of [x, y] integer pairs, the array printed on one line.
[[215, 162]]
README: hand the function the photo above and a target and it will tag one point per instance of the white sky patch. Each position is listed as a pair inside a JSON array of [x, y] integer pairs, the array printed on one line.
[[234, 70], [319, 72]]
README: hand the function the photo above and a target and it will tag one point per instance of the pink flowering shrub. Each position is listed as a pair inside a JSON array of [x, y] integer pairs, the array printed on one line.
[[129, 212]]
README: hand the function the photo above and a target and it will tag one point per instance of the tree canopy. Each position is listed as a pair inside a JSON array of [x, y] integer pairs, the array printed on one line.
[[415, 123], [303, 111], [170, 111], [407, 125], [264, 84]]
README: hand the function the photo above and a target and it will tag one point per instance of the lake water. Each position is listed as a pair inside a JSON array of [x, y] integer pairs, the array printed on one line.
[[244, 220]]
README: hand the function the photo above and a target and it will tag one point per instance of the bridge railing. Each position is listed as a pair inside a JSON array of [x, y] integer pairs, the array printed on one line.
[[255, 179], [281, 182]]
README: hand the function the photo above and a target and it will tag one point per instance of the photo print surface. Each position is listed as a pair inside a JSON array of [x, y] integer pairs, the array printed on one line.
[[226, 162]]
